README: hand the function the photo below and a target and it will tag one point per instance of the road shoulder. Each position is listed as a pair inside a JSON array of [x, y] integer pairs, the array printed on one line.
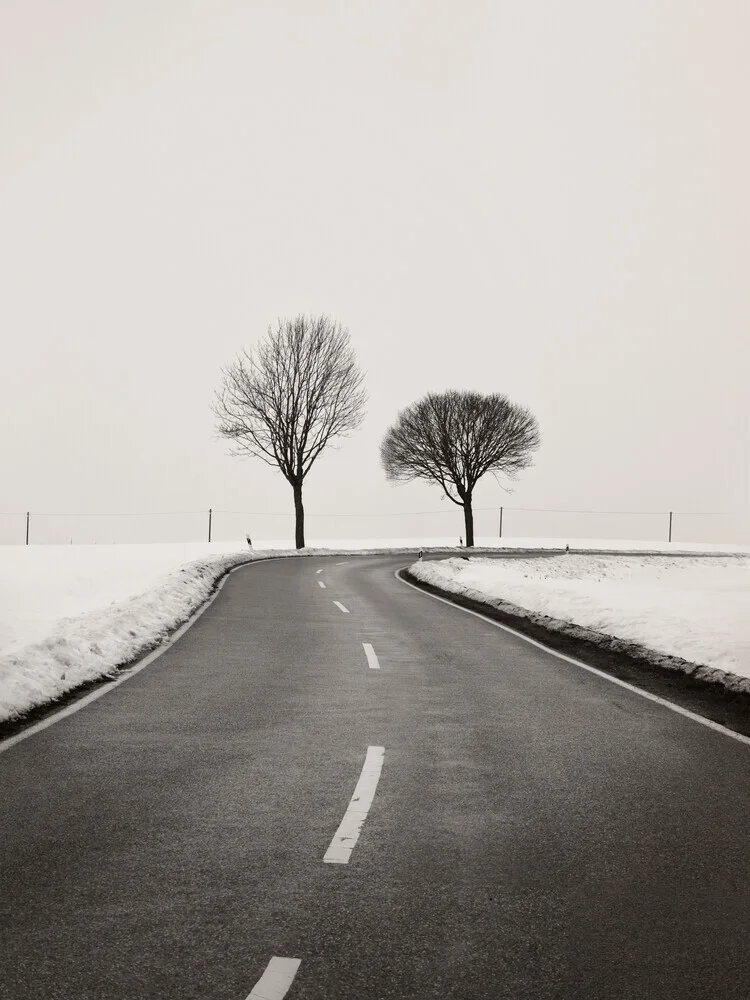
[[627, 661]]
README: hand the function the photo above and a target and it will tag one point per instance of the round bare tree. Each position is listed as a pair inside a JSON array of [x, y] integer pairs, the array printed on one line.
[[454, 438]]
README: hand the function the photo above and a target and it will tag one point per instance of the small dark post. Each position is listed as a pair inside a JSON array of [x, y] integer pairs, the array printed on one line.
[[500, 534], [27, 527], [670, 525], [209, 523]]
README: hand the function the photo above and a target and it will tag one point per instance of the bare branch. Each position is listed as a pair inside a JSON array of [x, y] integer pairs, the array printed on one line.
[[287, 399]]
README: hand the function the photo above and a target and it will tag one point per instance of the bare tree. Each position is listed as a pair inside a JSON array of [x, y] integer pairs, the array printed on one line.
[[453, 438], [285, 402]]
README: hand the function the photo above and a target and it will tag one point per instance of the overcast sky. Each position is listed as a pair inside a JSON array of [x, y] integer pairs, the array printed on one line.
[[546, 199]]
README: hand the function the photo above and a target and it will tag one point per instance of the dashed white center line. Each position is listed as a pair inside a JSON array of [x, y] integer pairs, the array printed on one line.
[[341, 563], [319, 570], [321, 584], [346, 836], [276, 980], [372, 660], [341, 607]]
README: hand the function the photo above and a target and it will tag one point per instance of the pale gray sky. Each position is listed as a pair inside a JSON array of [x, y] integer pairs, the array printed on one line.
[[546, 199]]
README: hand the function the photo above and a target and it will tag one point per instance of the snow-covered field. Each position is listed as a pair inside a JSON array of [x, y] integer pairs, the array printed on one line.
[[73, 613], [696, 608]]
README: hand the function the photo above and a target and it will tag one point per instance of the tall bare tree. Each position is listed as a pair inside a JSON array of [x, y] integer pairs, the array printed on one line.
[[285, 401], [453, 438]]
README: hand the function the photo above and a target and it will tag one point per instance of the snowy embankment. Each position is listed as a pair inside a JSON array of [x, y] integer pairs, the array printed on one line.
[[690, 613]]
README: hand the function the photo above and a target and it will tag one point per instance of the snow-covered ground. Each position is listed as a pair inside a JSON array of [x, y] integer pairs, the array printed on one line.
[[72, 613], [696, 608]]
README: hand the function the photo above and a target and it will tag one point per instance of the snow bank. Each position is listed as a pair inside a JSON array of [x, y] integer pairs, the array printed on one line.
[[41, 584], [694, 608]]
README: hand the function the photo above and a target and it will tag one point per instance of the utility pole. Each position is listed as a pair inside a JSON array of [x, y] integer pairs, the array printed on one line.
[[500, 532], [670, 525], [27, 527], [209, 523]]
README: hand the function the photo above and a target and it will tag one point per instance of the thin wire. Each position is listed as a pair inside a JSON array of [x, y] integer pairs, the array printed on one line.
[[106, 513], [382, 513], [562, 510], [388, 513], [406, 513]]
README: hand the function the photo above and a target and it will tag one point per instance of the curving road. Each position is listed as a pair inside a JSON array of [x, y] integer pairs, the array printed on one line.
[[522, 828]]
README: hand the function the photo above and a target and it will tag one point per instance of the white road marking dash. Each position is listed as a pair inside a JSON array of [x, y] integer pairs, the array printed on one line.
[[319, 570], [321, 584], [372, 660], [345, 838], [341, 607], [276, 980]]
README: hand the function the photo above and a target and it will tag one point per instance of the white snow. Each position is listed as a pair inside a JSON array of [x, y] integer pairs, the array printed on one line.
[[40, 584], [696, 608], [73, 613]]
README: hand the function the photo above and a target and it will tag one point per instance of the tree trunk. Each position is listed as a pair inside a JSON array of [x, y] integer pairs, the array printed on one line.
[[469, 522], [299, 517]]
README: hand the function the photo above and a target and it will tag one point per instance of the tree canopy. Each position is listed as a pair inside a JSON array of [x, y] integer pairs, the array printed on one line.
[[454, 438]]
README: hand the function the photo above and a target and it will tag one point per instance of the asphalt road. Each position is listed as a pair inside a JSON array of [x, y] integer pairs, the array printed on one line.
[[536, 831]]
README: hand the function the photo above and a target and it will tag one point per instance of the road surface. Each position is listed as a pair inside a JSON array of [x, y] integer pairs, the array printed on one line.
[[520, 829]]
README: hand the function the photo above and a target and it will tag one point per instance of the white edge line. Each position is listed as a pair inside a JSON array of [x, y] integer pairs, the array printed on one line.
[[345, 839], [276, 980], [372, 660], [709, 723], [321, 584], [63, 713], [341, 606]]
